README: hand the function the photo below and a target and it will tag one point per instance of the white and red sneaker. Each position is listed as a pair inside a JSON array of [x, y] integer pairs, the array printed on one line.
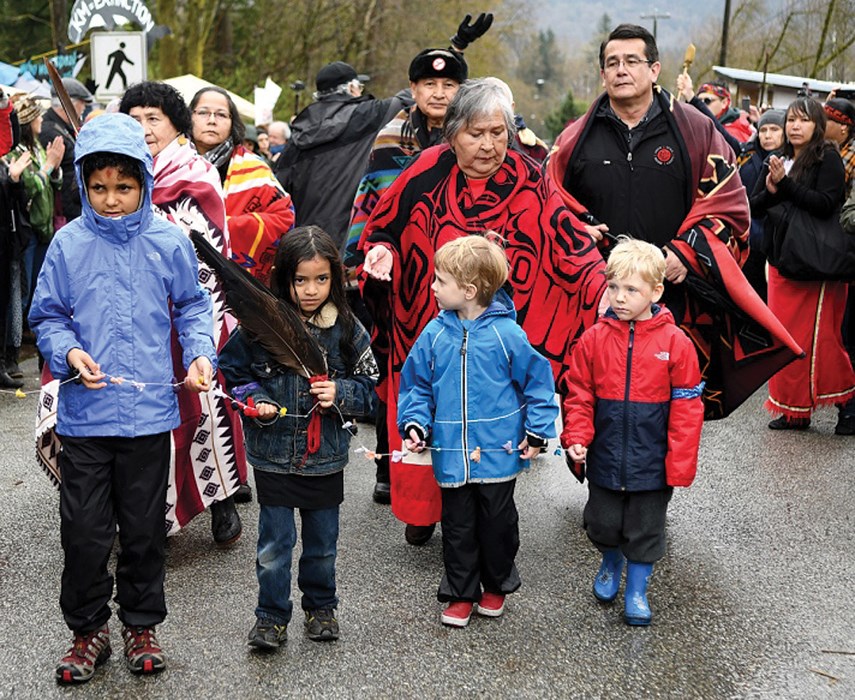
[[491, 605], [142, 651], [457, 614], [87, 651]]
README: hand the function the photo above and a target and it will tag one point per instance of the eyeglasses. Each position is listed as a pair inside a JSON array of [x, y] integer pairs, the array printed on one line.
[[206, 114], [630, 62]]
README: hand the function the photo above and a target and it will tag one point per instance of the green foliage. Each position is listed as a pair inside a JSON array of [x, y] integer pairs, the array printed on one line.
[[25, 29], [604, 27], [569, 109], [291, 40], [542, 59]]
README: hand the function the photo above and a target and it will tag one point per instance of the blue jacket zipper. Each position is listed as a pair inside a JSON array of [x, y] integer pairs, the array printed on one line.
[[463, 395]]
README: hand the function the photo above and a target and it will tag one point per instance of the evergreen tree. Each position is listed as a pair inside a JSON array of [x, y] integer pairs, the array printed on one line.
[[568, 109]]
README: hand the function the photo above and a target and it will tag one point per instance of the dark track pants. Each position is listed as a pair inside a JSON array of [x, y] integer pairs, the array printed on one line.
[[480, 540], [634, 521], [106, 482]]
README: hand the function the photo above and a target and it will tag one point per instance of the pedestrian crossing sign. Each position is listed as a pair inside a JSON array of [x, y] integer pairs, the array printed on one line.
[[118, 61]]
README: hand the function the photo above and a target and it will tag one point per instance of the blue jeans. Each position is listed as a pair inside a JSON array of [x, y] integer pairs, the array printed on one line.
[[277, 535]]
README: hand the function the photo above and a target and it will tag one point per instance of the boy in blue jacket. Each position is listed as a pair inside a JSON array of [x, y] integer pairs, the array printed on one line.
[[633, 416], [482, 400], [114, 284]]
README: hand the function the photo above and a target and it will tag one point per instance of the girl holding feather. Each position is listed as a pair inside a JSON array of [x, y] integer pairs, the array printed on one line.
[[298, 454]]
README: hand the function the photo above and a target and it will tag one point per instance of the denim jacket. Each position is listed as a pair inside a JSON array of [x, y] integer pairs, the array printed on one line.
[[280, 445]]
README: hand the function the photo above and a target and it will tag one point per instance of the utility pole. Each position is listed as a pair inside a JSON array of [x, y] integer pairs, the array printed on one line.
[[656, 15], [725, 30]]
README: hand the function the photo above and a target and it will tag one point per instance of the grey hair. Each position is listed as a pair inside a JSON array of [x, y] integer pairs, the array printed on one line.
[[478, 99], [503, 85], [286, 129], [341, 89]]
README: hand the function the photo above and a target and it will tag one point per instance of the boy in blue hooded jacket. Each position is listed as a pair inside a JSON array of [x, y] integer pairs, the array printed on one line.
[[114, 284], [481, 396]]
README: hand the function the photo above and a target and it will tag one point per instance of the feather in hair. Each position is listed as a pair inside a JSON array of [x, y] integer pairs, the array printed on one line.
[[266, 318]]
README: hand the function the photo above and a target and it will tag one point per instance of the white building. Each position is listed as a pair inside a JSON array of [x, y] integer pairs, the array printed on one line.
[[778, 90]]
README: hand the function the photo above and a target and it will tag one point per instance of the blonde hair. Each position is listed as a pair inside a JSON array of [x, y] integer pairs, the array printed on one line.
[[631, 256], [474, 260]]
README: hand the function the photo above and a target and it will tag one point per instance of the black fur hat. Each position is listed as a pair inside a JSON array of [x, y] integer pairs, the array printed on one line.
[[438, 63]]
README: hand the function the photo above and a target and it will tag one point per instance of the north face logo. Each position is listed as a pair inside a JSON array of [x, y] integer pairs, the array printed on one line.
[[664, 356]]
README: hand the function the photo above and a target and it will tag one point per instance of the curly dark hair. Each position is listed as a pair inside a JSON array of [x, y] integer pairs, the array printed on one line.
[[167, 99], [125, 164], [238, 131]]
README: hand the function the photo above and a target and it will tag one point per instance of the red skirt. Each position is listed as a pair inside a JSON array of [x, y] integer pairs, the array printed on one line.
[[813, 314]]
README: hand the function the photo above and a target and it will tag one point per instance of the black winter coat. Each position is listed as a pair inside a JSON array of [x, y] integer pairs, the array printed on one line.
[[323, 162], [53, 126], [618, 183]]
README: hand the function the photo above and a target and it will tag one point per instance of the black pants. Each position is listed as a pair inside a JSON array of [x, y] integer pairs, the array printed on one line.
[[108, 482], [480, 540], [382, 431], [754, 270], [633, 521]]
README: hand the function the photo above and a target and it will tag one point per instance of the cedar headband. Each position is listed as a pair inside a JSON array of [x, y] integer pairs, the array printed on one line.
[[717, 90], [837, 116]]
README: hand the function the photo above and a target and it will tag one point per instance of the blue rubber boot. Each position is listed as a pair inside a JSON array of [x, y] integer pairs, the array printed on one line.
[[637, 610], [607, 582]]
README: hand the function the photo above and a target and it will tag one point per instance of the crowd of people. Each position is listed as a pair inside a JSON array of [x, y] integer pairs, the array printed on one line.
[[419, 262]]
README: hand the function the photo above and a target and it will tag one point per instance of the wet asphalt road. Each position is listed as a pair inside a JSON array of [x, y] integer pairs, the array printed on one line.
[[756, 590]]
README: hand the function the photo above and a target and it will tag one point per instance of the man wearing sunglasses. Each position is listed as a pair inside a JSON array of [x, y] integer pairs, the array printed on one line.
[[716, 97]]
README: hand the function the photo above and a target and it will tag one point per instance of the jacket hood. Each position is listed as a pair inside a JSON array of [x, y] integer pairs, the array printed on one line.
[[115, 133], [501, 306], [731, 115], [324, 121]]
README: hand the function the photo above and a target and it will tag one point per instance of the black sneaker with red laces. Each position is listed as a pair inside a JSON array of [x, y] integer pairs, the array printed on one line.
[[142, 651], [87, 651]]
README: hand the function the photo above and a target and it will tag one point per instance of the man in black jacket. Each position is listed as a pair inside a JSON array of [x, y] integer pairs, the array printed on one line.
[[330, 141], [55, 123]]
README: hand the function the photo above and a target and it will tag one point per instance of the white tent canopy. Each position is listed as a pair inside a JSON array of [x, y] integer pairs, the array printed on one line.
[[189, 84]]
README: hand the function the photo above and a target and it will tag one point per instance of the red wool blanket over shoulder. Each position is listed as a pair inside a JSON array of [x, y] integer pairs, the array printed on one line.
[[740, 342]]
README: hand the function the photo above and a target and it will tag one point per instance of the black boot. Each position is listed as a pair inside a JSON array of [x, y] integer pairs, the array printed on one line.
[[243, 494], [382, 493], [6, 381], [225, 522], [418, 535], [12, 368]]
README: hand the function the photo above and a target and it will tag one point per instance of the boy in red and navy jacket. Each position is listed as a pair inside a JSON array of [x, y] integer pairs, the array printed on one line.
[[633, 416]]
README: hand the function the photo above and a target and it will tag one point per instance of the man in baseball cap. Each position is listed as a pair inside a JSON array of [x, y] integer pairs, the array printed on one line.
[[333, 75], [76, 91]]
